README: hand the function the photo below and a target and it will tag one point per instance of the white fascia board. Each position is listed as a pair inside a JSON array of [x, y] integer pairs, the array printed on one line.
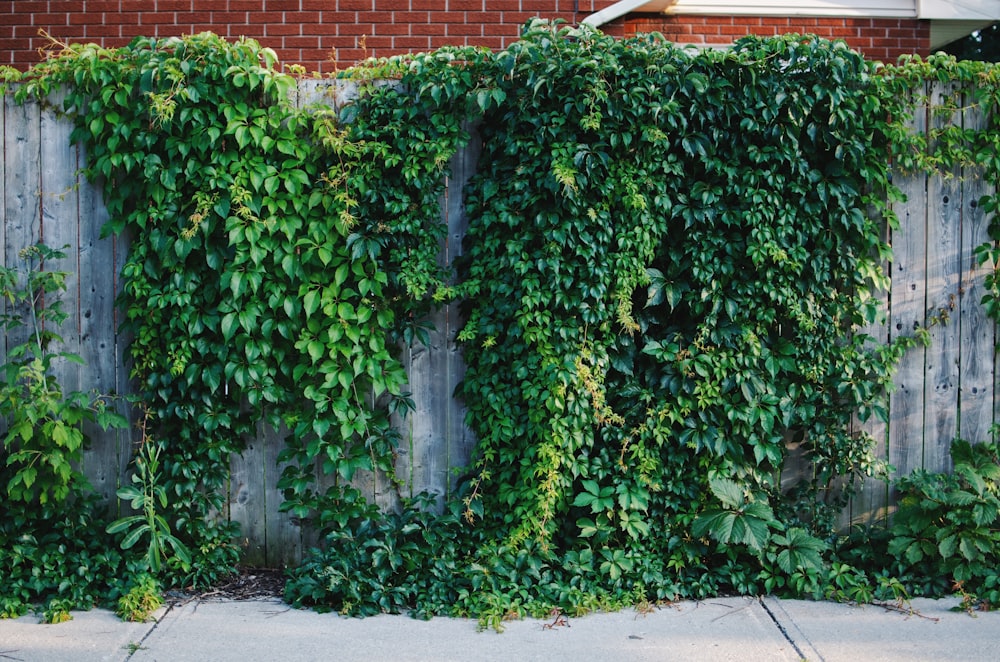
[[616, 10]]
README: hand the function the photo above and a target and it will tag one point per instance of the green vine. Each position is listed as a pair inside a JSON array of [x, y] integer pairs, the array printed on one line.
[[268, 277], [670, 261]]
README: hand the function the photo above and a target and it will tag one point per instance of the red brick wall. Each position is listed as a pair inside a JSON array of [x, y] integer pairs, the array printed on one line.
[[882, 39], [318, 33]]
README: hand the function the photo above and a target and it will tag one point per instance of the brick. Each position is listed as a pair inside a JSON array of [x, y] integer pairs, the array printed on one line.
[[221, 18], [152, 18], [130, 30], [501, 30], [85, 18], [173, 5], [303, 18], [203, 17], [25, 31], [392, 5], [319, 5], [374, 17], [427, 29], [439, 42], [281, 5], [464, 5], [506, 5], [97, 6], [315, 54], [464, 30], [282, 29], [519, 18], [27, 8], [355, 29], [412, 43], [410, 17], [64, 6], [301, 42], [543, 6], [376, 41], [239, 5], [718, 39], [334, 19], [265, 18], [487, 41], [348, 56], [842, 32], [394, 29], [167, 30], [736, 30], [484, 19], [355, 5], [103, 31]]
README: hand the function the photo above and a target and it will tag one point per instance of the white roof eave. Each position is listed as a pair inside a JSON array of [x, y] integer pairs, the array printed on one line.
[[936, 10]]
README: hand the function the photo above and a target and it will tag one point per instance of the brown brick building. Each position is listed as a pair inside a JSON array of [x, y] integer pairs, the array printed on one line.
[[317, 33]]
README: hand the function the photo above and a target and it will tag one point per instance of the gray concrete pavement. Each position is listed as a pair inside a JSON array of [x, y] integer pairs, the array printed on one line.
[[740, 629]]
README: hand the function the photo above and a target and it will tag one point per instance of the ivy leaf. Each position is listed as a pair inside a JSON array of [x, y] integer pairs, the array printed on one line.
[[728, 491]]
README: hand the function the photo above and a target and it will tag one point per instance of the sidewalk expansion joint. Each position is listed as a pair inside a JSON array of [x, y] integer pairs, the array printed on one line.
[[784, 632]]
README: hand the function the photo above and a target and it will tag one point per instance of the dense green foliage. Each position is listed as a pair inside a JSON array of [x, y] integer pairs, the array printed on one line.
[[48, 553], [670, 264]]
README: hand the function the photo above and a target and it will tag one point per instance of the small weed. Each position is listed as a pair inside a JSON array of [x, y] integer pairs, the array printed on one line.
[[142, 599]]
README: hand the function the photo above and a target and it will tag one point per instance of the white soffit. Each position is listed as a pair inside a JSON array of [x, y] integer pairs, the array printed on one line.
[[959, 10]]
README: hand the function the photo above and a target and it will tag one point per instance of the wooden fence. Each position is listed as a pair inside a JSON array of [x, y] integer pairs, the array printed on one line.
[[942, 392]]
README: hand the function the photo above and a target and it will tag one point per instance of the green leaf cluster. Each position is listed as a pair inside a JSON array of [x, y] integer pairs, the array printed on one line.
[[948, 524]]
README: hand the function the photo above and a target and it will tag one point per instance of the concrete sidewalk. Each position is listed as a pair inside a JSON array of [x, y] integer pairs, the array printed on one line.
[[741, 629]]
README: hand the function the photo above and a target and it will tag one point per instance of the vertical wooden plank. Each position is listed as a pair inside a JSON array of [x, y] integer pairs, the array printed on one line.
[[106, 462], [128, 440], [283, 533], [435, 436], [907, 308], [944, 267], [976, 330], [248, 499], [459, 439], [868, 505], [22, 180], [7, 99], [60, 230]]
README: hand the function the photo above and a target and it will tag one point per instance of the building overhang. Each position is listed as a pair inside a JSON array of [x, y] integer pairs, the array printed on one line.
[[949, 19]]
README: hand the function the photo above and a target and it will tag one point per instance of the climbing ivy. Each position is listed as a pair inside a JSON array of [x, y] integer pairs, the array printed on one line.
[[672, 257], [276, 255], [671, 260]]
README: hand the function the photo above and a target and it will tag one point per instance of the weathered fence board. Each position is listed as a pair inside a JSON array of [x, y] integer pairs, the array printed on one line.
[[22, 225], [908, 307], [943, 391], [977, 332]]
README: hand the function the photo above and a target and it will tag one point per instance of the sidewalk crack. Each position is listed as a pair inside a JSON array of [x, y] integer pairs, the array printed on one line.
[[133, 649]]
